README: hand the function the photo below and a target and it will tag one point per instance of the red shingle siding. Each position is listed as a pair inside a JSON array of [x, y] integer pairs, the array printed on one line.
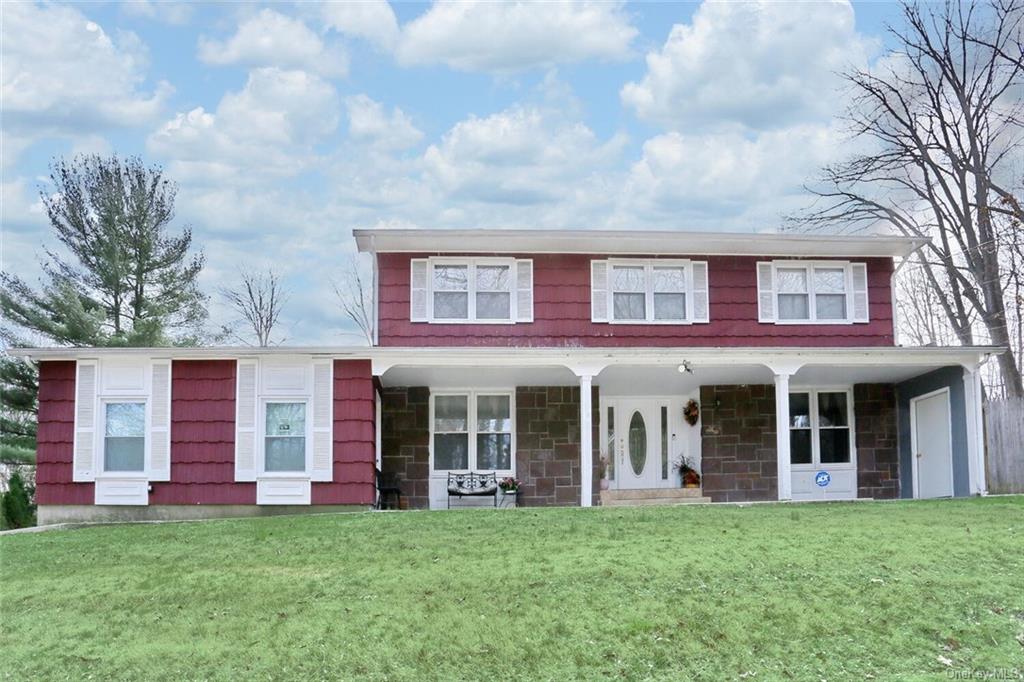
[[355, 451], [56, 436], [203, 437], [562, 312]]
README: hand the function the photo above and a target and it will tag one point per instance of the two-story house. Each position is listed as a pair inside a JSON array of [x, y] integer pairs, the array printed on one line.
[[584, 363]]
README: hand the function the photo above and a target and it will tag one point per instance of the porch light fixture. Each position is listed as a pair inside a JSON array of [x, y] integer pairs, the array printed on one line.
[[684, 368]]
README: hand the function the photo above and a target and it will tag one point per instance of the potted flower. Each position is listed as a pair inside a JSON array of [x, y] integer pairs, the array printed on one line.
[[689, 475], [602, 472], [509, 485]]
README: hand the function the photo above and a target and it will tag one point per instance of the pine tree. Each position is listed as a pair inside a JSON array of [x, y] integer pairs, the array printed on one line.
[[127, 278], [16, 507]]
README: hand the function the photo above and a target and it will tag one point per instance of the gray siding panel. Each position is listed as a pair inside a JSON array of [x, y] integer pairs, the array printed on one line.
[[953, 379]]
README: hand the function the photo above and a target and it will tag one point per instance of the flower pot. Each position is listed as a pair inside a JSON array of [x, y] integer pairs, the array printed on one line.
[[604, 484]]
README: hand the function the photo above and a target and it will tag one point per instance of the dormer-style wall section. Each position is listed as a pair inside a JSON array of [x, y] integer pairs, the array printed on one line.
[[630, 288]]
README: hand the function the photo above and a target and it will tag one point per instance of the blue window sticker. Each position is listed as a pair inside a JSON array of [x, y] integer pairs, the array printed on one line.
[[822, 478]]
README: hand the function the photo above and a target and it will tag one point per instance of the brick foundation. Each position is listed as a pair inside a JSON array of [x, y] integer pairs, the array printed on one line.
[[548, 445], [878, 471], [738, 459], [405, 442]]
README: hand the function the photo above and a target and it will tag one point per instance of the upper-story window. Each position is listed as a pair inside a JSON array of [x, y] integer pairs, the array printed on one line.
[[649, 291], [462, 290], [812, 292]]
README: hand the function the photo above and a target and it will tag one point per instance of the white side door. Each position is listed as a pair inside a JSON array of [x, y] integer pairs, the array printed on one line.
[[932, 445], [638, 460]]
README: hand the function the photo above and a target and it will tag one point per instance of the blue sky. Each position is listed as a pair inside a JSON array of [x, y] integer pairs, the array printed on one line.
[[286, 125]]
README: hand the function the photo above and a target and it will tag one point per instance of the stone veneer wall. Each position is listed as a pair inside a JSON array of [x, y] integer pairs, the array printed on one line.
[[548, 445], [405, 441], [738, 459], [878, 469]]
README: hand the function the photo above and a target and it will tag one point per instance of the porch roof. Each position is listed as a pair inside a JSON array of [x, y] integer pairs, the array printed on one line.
[[470, 356], [622, 370]]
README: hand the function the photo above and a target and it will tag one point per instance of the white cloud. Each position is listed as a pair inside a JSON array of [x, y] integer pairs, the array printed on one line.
[[520, 156], [269, 128], [369, 122], [165, 11], [64, 76], [373, 20], [505, 37], [760, 65], [724, 180], [269, 38]]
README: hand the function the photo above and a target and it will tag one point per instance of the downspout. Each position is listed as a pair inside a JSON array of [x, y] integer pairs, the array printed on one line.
[[376, 293]]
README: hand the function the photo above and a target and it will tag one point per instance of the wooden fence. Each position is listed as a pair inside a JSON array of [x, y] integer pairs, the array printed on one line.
[[1004, 432]]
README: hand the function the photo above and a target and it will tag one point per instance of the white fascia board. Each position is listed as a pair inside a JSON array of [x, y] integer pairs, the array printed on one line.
[[536, 356], [633, 242]]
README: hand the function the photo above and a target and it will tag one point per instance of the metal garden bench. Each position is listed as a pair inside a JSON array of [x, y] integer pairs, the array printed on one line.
[[472, 485]]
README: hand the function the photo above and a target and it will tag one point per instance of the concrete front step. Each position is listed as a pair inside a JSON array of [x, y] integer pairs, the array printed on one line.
[[645, 493], [646, 501], [652, 496]]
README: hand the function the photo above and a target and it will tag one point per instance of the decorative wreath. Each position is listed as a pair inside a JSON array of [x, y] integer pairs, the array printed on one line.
[[691, 413]]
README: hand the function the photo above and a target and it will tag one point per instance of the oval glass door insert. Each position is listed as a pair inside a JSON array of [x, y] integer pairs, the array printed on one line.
[[637, 443]]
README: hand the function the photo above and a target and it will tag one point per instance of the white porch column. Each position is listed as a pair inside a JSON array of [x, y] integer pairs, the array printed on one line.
[[782, 435], [974, 417], [586, 442]]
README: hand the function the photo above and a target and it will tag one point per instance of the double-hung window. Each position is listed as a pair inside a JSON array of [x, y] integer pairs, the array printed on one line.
[[654, 291], [819, 427], [472, 431], [463, 290], [284, 444], [124, 437], [812, 292]]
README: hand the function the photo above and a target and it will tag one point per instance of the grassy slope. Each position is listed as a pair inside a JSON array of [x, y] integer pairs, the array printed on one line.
[[798, 591]]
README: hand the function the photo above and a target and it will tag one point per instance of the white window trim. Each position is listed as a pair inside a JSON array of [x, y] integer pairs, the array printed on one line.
[[816, 463], [471, 264], [101, 436], [472, 395], [648, 265], [809, 266], [261, 445]]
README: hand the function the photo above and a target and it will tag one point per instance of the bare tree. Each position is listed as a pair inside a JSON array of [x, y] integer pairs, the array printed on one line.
[[917, 303], [943, 115], [259, 299], [355, 296]]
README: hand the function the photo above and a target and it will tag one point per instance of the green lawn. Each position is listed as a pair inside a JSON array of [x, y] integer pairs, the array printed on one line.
[[817, 591]]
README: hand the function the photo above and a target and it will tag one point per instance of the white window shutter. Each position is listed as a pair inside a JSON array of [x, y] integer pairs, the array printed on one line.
[[245, 421], [418, 289], [524, 290], [699, 291], [322, 468], [84, 467], [160, 421], [765, 292], [860, 291], [599, 291]]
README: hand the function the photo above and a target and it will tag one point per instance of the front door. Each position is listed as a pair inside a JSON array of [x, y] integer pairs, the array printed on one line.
[[639, 444], [931, 444]]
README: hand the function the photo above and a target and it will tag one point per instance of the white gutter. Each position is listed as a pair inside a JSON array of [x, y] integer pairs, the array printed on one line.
[[632, 242], [537, 356]]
